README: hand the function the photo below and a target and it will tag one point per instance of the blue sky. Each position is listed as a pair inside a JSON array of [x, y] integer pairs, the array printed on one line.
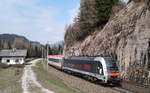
[[38, 20]]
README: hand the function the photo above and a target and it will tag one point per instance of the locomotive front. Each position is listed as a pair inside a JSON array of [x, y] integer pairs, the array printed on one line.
[[108, 70], [112, 71]]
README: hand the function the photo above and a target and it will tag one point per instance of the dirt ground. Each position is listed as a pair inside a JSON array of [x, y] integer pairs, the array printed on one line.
[[29, 80]]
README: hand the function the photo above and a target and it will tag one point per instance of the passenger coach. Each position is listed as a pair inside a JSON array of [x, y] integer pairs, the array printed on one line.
[[55, 60]]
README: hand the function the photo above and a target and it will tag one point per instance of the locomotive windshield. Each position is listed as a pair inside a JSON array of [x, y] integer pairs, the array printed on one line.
[[110, 63]]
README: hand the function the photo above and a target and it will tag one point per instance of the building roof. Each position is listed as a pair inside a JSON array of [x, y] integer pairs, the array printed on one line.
[[13, 53]]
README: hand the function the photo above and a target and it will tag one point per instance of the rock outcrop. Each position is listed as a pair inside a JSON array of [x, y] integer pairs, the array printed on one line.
[[126, 38]]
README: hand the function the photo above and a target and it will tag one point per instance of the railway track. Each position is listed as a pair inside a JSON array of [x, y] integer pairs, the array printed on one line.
[[138, 85], [137, 88], [119, 88], [126, 88], [123, 90]]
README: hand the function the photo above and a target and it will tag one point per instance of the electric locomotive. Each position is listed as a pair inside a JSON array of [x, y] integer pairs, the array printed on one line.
[[94, 68], [102, 69]]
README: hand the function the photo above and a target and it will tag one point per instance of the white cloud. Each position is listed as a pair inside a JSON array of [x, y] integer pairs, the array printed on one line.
[[74, 13], [125, 1], [24, 17]]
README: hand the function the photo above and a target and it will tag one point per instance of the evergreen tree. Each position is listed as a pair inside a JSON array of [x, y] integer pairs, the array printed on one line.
[[129, 1], [9, 45], [87, 18], [50, 51], [104, 10], [93, 13]]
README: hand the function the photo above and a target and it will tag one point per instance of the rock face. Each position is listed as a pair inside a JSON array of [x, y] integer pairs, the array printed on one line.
[[126, 38]]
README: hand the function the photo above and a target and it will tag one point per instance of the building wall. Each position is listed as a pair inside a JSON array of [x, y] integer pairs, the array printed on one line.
[[13, 60]]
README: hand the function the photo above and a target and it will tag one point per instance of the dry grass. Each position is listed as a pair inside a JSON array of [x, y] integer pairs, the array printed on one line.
[[50, 81], [10, 80]]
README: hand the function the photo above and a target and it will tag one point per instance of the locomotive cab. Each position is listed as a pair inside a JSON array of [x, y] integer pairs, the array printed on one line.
[[108, 70], [100, 69], [113, 75]]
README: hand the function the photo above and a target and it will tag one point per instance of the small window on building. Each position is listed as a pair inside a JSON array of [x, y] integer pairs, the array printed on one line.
[[7, 60], [17, 60]]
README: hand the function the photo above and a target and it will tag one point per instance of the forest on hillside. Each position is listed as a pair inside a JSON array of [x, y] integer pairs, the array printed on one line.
[[10, 41], [93, 16], [35, 49]]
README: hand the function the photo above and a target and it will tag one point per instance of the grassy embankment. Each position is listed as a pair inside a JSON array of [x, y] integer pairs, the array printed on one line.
[[10, 80], [50, 81]]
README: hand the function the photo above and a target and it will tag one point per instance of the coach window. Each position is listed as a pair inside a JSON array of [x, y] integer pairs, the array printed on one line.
[[17, 60]]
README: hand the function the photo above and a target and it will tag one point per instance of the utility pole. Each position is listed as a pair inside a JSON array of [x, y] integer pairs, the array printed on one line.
[[42, 56], [47, 54]]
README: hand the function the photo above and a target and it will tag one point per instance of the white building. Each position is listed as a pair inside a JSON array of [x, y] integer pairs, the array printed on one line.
[[12, 57]]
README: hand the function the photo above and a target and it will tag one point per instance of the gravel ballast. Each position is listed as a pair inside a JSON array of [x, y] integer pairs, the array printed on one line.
[[80, 84]]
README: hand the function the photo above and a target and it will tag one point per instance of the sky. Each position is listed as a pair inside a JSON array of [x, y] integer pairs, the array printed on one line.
[[37, 20], [125, 1]]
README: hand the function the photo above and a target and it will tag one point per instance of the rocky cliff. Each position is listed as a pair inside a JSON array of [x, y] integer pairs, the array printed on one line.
[[126, 37]]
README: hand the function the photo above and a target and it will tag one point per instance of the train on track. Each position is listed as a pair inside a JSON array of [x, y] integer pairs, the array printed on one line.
[[95, 68]]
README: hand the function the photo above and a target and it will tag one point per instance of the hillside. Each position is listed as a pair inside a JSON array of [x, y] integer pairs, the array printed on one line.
[[126, 38], [11, 37], [9, 41]]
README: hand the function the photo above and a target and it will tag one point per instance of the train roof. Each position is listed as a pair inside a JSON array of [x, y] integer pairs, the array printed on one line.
[[76, 57], [56, 56], [83, 57]]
